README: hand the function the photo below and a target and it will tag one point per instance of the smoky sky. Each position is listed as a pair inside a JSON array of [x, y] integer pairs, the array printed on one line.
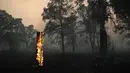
[[29, 10]]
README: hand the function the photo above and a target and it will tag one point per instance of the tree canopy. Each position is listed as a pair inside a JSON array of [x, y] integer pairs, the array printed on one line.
[[121, 7]]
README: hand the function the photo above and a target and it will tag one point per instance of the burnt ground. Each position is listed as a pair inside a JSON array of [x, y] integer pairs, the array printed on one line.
[[68, 62]]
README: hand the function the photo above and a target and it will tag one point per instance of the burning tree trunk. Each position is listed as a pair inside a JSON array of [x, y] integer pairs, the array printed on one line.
[[39, 55]]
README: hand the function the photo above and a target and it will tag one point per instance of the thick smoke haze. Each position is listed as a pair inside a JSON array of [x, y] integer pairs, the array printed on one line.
[[29, 10]]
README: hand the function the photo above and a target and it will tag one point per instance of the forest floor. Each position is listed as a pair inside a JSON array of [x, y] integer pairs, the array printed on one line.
[[67, 62]]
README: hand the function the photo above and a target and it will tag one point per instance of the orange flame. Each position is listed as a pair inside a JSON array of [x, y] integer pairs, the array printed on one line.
[[39, 54]]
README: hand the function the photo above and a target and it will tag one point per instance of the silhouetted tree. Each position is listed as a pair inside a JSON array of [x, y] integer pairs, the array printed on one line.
[[57, 12], [123, 13], [97, 11], [16, 34], [12, 30], [91, 25], [69, 30], [103, 34], [5, 22], [30, 35]]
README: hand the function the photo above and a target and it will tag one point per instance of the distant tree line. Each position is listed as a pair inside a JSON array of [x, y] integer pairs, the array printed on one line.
[[14, 32]]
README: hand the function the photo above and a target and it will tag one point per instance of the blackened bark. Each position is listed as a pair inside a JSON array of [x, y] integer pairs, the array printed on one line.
[[103, 34], [103, 42]]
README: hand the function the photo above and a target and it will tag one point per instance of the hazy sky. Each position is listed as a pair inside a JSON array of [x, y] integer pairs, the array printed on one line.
[[29, 10]]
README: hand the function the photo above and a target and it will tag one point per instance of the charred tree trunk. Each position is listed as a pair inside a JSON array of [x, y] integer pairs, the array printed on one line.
[[103, 41], [103, 34]]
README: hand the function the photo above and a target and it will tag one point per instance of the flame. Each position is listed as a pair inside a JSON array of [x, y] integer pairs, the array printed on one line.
[[39, 54]]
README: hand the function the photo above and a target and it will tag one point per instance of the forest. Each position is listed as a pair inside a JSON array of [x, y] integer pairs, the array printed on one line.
[[86, 35], [93, 26]]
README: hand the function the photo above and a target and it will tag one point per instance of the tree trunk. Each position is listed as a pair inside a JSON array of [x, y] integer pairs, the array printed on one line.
[[61, 23], [73, 42], [103, 42], [103, 34], [62, 37]]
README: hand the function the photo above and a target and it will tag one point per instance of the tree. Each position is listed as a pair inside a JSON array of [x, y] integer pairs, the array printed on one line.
[[121, 7], [121, 22], [5, 22], [97, 11], [16, 34], [30, 35], [57, 12], [91, 25], [123, 14], [70, 30], [11, 30], [103, 33]]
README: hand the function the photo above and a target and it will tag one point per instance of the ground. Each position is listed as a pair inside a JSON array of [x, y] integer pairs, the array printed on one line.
[[67, 62]]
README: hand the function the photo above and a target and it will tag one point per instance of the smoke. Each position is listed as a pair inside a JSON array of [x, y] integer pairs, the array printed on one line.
[[29, 10], [119, 41]]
